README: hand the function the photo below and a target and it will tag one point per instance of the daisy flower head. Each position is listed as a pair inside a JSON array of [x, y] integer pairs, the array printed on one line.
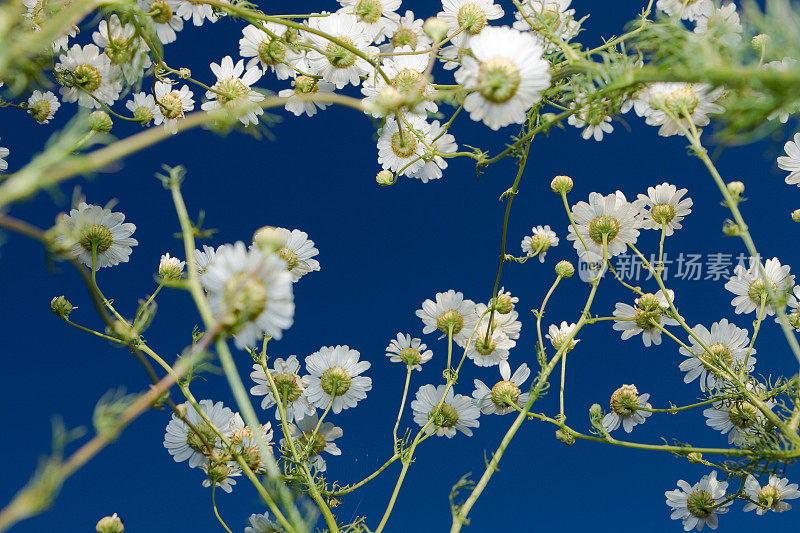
[[203, 258], [469, 17], [740, 420], [770, 497], [723, 24], [783, 113], [668, 101], [698, 505], [791, 161], [337, 64], [751, 289], [406, 80], [489, 348], [608, 218], [552, 16], [221, 474], [143, 107], [164, 18], [503, 303], [664, 207], [244, 442], [171, 105], [505, 76], [626, 404], [261, 523], [379, 17], [90, 229], [42, 106], [127, 52], [251, 294], [197, 13], [440, 143], [199, 443], [409, 33], [268, 48], [3, 154], [686, 9], [298, 251], [501, 398], [232, 90], [87, 73], [290, 386], [542, 238], [558, 335], [170, 268], [310, 444], [728, 346], [303, 87], [793, 316], [334, 378], [595, 122], [449, 313], [401, 148], [410, 351], [648, 313], [507, 323], [457, 412]]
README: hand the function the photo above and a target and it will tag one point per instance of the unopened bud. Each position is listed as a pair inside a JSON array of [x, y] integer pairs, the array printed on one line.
[[695, 457], [565, 436], [796, 215], [561, 184], [269, 239], [100, 122], [503, 304], [731, 228], [564, 269], [110, 524], [61, 307], [385, 177], [736, 189], [759, 41], [435, 28], [595, 412], [170, 268]]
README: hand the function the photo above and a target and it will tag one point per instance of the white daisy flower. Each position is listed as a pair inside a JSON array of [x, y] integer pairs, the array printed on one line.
[[457, 412], [305, 85], [749, 287], [3, 154], [489, 350], [449, 310], [440, 143], [738, 419], [728, 345], [37, 13], [172, 105], [469, 17], [783, 114], [500, 398], [261, 523], [243, 441], [42, 106], [298, 252], [197, 13], [507, 323], [665, 207], [793, 316], [698, 505], [553, 15], [88, 73], [612, 216], [334, 378], [594, 125], [170, 268], [410, 351], [310, 444], [221, 475], [558, 335], [686, 9], [127, 52], [291, 388], [725, 20], [269, 50], [204, 258], [234, 82], [143, 106], [184, 443], [402, 149], [791, 161], [505, 74], [541, 240], [648, 308], [91, 227], [164, 17], [250, 293], [377, 16], [503, 303], [409, 33], [770, 497], [695, 98], [337, 64], [626, 404], [405, 77]]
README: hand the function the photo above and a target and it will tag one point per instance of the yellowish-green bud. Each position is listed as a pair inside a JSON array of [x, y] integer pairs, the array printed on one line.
[[736, 189], [269, 239], [694, 457], [759, 41], [561, 184], [61, 307], [385, 178], [796, 215], [564, 269], [110, 524], [565, 437], [435, 28], [100, 122]]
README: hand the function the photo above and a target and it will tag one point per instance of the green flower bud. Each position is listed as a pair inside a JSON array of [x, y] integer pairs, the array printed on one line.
[[385, 178], [564, 269], [110, 524], [736, 189], [565, 437], [61, 307], [100, 122], [561, 184], [694, 457], [269, 239], [435, 28], [796, 215]]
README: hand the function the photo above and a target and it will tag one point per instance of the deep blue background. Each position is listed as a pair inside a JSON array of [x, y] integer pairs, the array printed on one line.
[[382, 251]]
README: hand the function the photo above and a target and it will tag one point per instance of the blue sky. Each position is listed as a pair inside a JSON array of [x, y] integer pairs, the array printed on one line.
[[382, 251]]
